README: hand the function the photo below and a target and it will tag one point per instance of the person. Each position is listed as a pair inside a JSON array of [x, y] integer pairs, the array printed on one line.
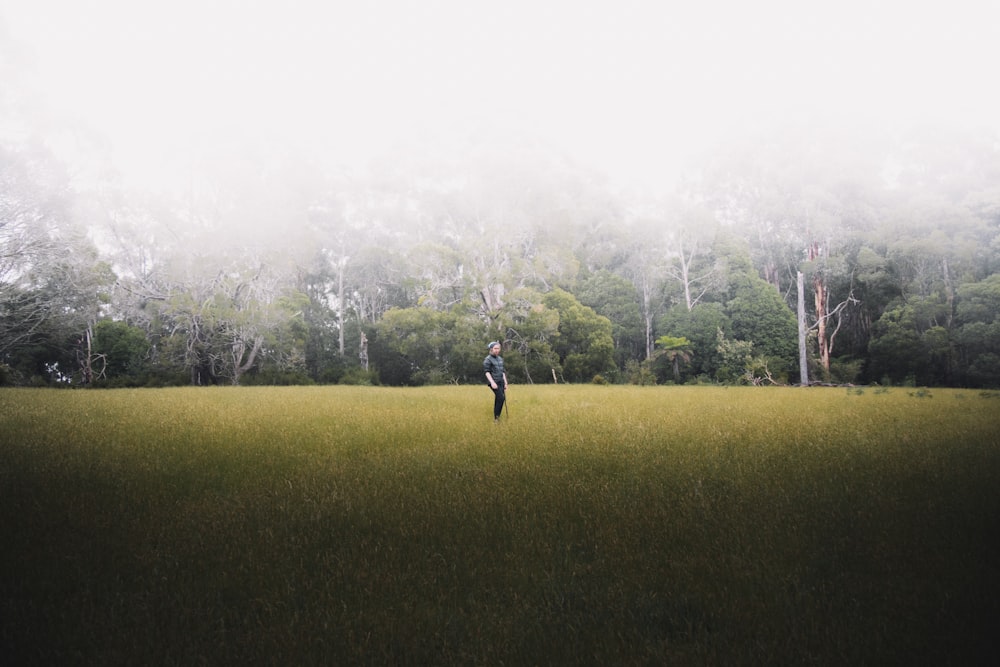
[[496, 378]]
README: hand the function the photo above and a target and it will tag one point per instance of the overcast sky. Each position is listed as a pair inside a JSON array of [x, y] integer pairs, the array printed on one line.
[[630, 86]]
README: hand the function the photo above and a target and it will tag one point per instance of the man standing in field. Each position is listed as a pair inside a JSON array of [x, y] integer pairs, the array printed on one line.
[[496, 377]]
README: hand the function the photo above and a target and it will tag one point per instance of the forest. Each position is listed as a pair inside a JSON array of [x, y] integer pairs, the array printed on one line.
[[798, 258]]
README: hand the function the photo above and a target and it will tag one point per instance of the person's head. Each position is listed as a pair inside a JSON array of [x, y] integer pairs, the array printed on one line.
[[494, 348]]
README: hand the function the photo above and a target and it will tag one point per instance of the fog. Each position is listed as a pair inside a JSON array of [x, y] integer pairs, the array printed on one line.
[[635, 89]]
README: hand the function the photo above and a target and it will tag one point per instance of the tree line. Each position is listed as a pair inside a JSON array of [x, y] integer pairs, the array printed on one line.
[[796, 259]]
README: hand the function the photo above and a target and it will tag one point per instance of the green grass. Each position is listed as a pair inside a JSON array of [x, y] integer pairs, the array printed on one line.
[[596, 525]]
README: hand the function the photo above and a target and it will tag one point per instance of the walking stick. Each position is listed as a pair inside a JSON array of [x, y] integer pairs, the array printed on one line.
[[506, 402]]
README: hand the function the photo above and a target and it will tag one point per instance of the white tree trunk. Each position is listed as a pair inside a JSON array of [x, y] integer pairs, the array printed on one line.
[[340, 301], [803, 352]]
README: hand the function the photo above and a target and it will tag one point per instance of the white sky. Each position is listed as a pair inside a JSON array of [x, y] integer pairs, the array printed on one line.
[[629, 85]]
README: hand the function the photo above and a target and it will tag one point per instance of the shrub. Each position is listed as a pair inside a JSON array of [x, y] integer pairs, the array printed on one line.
[[359, 376]]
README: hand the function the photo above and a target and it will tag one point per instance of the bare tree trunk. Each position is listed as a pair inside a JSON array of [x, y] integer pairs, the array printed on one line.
[[803, 351], [239, 350], [820, 299], [87, 363], [340, 301], [681, 271], [647, 314], [949, 292], [363, 353], [686, 275]]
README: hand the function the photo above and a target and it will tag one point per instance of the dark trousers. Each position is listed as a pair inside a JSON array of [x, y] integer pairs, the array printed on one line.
[[498, 399]]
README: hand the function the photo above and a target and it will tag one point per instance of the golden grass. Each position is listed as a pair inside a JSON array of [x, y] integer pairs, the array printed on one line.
[[596, 524]]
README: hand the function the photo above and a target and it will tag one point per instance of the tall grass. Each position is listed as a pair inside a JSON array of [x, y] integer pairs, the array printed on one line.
[[595, 525]]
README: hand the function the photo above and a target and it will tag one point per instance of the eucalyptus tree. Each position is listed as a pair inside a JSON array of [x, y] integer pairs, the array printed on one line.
[[616, 298], [804, 200], [141, 236], [474, 254], [53, 284], [759, 315], [744, 190], [213, 275], [434, 346], [34, 207], [346, 300], [876, 285], [439, 275], [120, 353], [322, 358], [529, 333], [691, 267], [511, 213], [823, 272], [647, 267], [699, 326], [645, 271], [218, 320], [362, 224], [551, 336], [899, 351], [978, 335], [383, 280], [584, 342], [939, 235]]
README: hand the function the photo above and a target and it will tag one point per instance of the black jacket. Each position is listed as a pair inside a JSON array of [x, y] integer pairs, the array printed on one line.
[[494, 366]]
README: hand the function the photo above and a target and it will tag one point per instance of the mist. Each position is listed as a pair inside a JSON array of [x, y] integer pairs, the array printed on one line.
[[636, 90], [267, 166]]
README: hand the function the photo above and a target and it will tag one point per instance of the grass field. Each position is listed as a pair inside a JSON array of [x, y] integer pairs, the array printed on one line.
[[595, 525]]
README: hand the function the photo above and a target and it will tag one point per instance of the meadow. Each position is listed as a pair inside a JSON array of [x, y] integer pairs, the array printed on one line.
[[593, 525]]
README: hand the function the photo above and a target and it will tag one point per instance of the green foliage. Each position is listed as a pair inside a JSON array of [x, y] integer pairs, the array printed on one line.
[[757, 313], [554, 334], [545, 334], [978, 334], [700, 325], [894, 337], [980, 301], [845, 370], [359, 376], [584, 342], [875, 284], [531, 329], [436, 346], [617, 299], [907, 344], [676, 351], [673, 343], [421, 336], [737, 360], [490, 247], [639, 373], [125, 349]]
